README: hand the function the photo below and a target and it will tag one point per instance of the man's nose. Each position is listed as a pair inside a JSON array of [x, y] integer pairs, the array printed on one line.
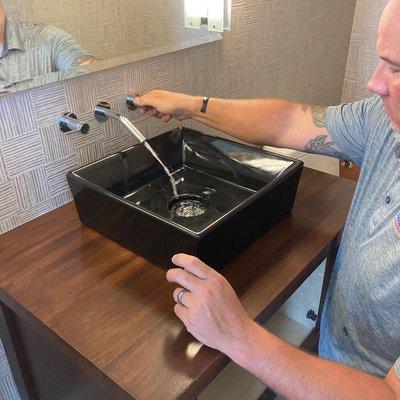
[[377, 84]]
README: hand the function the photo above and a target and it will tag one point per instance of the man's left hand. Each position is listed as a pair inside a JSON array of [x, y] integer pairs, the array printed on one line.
[[209, 308]]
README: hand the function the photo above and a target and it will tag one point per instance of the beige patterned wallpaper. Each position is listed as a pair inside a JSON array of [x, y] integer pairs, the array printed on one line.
[[294, 49], [363, 57]]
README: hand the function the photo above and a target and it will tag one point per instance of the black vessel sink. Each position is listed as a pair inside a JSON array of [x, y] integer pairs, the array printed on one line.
[[237, 193]]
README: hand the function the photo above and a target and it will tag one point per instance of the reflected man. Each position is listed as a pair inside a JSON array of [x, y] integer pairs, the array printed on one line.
[[32, 54]]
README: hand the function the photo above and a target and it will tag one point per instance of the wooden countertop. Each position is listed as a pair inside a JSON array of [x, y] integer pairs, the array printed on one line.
[[111, 311]]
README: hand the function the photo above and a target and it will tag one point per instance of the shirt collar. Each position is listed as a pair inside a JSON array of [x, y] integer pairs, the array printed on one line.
[[13, 36]]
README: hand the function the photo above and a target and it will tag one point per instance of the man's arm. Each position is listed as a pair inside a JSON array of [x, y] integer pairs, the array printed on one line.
[[213, 314], [300, 376], [272, 122], [67, 53]]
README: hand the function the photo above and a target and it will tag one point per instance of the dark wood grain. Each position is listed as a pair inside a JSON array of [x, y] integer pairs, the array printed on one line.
[[349, 170], [111, 312]]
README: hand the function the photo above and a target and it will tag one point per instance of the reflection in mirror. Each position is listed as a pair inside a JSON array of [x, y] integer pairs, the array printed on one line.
[[33, 54], [44, 41]]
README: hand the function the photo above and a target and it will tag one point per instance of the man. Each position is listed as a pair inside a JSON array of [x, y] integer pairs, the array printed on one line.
[[33, 54], [360, 332]]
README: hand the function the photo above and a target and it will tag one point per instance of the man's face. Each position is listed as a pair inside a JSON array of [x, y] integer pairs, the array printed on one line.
[[386, 79]]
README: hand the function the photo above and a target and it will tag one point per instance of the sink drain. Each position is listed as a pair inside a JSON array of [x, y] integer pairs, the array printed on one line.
[[187, 206]]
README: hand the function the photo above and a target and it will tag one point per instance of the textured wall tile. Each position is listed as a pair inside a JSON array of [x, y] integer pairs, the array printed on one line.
[[7, 224], [200, 61], [34, 212], [61, 199], [81, 94], [118, 143], [17, 117], [136, 77], [233, 50], [180, 67], [8, 201], [56, 144], [159, 70], [183, 87], [219, 83], [48, 103], [31, 188], [201, 85], [217, 56], [3, 173], [110, 84], [248, 70], [22, 153], [90, 153], [56, 174], [251, 17]]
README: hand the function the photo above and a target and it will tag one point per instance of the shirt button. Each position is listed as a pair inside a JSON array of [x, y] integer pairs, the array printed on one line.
[[388, 199]]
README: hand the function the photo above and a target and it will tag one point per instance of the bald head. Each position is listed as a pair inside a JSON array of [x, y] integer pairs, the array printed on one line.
[[390, 20], [388, 44], [385, 81]]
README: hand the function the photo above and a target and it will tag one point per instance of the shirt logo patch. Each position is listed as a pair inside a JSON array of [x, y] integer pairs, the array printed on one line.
[[397, 224]]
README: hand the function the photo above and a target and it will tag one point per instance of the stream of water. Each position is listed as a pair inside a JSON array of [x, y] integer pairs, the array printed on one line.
[[166, 169]]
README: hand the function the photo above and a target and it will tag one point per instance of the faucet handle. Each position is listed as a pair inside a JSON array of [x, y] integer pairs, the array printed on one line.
[[68, 122], [130, 101]]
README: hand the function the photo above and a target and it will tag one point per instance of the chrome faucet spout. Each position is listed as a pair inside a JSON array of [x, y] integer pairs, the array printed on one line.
[[103, 112]]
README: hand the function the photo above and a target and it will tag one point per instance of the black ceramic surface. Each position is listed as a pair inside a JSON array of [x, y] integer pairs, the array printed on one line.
[[127, 197]]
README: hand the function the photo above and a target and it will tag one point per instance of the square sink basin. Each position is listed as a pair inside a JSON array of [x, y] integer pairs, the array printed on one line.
[[229, 195]]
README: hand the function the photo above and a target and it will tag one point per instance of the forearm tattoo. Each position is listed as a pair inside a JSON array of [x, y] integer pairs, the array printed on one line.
[[321, 144], [319, 116]]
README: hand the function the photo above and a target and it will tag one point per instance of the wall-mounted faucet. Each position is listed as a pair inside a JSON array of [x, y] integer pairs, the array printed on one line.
[[130, 101], [68, 122], [103, 112]]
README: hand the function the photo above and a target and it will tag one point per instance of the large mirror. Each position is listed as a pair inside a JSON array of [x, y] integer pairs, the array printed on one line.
[[44, 41]]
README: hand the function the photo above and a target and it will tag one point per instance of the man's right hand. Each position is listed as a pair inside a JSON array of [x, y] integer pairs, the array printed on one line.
[[166, 105]]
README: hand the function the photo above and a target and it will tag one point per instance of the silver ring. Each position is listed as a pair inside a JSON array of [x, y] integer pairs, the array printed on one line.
[[180, 295]]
